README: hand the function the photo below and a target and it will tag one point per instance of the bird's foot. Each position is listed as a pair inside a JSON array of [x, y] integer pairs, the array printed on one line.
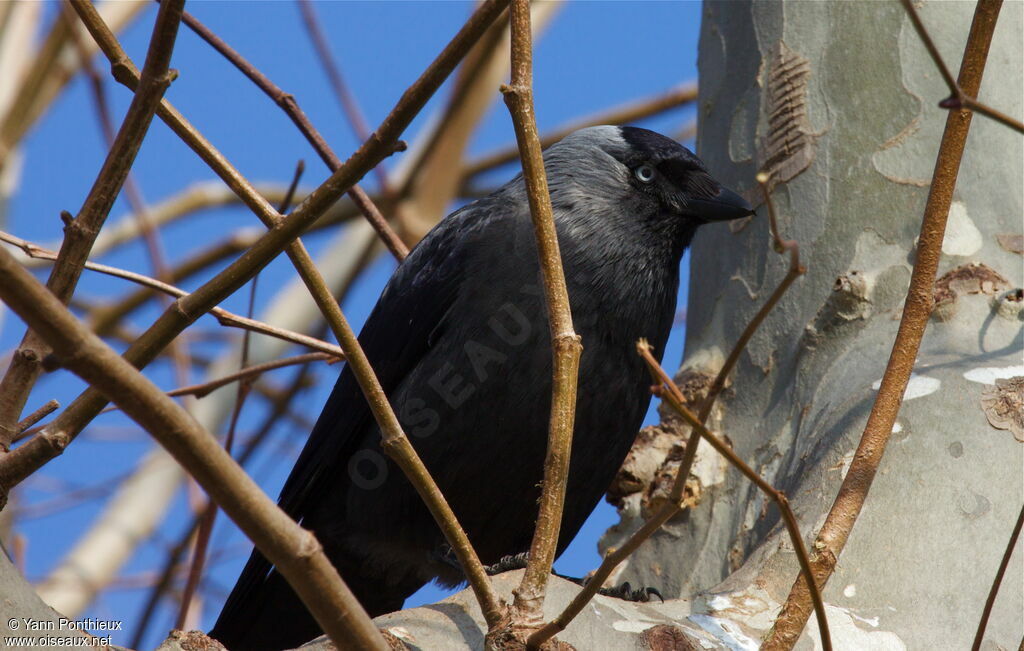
[[508, 563], [626, 592]]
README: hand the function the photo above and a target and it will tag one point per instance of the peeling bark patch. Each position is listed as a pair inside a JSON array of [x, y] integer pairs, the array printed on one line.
[[397, 636], [725, 632], [850, 300], [989, 375], [918, 386], [1012, 242], [1003, 404], [962, 237], [788, 147], [970, 278], [666, 637]]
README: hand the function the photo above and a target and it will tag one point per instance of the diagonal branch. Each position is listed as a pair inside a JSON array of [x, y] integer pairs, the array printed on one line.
[[291, 107], [224, 317], [994, 590], [853, 492], [958, 98], [80, 233], [566, 346], [294, 551], [670, 393]]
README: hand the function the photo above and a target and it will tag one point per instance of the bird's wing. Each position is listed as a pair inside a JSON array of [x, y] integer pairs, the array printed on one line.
[[405, 322]]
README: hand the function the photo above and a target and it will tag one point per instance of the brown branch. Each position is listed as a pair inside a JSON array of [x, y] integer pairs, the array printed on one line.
[[279, 408], [80, 233], [626, 113], [348, 102], [349, 105], [853, 492], [249, 373], [566, 346], [674, 397], [223, 316], [958, 98], [105, 318], [294, 551], [291, 107], [994, 590], [36, 416]]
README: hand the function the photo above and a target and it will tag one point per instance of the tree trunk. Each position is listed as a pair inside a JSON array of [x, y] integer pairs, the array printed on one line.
[[858, 95]]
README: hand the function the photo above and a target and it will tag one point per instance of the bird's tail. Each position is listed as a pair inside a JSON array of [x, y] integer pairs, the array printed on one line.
[[268, 615]]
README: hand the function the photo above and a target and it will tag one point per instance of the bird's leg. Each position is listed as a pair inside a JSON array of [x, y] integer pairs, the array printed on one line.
[[624, 591], [508, 563]]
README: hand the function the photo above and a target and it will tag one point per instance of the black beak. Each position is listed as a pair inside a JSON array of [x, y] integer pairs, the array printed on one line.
[[724, 206]]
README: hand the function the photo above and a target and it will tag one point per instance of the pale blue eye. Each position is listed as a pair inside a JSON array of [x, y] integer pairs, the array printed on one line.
[[644, 173]]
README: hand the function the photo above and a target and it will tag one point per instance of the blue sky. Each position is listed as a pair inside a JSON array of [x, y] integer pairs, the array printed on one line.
[[594, 55]]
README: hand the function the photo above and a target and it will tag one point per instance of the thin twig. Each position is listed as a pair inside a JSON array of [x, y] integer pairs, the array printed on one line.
[[994, 590], [566, 346], [36, 416], [294, 551], [349, 105], [105, 318], [796, 269], [348, 102], [223, 316], [853, 492], [958, 99], [209, 515], [248, 373], [290, 106], [674, 397], [81, 232]]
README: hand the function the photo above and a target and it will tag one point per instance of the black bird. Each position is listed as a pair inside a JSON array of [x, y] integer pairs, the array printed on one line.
[[460, 341]]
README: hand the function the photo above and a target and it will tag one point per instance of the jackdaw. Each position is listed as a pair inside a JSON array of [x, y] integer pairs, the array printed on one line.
[[460, 341]]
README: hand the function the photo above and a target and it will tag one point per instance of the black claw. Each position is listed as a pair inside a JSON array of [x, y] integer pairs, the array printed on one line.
[[627, 593], [508, 563]]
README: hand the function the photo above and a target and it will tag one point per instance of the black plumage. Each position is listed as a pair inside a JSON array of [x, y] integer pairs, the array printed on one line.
[[460, 341]]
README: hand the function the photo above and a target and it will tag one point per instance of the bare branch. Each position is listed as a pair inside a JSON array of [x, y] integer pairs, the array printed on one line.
[[37, 415], [991, 600], [566, 346], [291, 107], [671, 394], [853, 492], [796, 269], [223, 316], [958, 98]]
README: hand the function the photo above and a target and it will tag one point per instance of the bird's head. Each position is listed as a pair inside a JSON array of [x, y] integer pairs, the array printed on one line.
[[640, 175]]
